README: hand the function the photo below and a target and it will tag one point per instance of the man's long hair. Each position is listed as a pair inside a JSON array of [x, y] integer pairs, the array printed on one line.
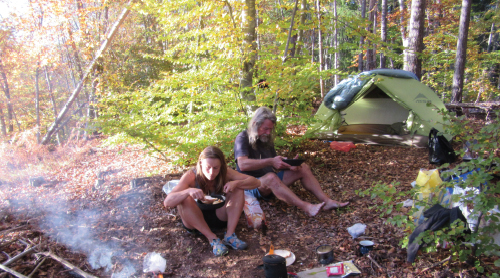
[[220, 180], [260, 115]]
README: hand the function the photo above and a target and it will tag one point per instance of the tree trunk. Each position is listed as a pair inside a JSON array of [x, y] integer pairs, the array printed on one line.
[[412, 61], [77, 90], [320, 49], [249, 48], [37, 105], [303, 17], [6, 90], [383, 31], [2, 121], [336, 57], [458, 75], [490, 38], [52, 100], [402, 29], [362, 38]]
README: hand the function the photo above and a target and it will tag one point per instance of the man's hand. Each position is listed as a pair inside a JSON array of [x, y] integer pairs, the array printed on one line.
[[279, 164]]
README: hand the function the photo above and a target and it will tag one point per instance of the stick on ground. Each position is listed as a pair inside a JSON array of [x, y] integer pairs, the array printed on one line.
[[68, 265], [13, 272]]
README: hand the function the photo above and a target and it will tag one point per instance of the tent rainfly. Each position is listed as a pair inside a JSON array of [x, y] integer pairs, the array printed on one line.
[[384, 106]]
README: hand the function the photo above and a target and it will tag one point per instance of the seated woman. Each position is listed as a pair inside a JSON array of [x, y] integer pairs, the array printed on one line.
[[212, 176]]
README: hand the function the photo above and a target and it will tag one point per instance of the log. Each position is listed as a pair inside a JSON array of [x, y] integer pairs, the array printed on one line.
[[68, 265]]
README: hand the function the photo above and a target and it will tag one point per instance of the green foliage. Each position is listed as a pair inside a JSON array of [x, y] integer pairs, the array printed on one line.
[[196, 100], [481, 190]]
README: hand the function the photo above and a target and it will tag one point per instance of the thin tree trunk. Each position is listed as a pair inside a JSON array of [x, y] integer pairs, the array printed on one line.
[[383, 31], [37, 104], [77, 90], [412, 61], [320, 50], [490, 38], [461, 57], [52, 100], [336, 57], [402, 29], [6, 90], [2, 121], [313, 40], [362, 38]]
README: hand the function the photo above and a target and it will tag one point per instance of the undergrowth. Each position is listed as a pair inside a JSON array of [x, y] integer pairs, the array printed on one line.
[[23, 158]]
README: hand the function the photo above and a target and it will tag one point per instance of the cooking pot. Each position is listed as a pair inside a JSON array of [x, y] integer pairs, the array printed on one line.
[[275, 266]]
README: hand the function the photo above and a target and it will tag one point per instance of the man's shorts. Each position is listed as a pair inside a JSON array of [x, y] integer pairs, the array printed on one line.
[[256, 193]]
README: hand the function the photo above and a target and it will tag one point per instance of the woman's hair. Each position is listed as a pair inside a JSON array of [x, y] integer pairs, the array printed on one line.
[[220, 180], [260, 115]]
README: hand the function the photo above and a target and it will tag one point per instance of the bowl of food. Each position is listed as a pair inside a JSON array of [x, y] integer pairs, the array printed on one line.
[[294, 162], [213, 201]]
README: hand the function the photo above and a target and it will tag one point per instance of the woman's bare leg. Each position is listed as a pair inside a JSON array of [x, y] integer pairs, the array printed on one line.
[[192, 218], [231, 212]]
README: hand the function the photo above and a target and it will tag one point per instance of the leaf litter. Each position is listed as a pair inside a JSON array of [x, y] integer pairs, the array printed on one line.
[[106, 228]]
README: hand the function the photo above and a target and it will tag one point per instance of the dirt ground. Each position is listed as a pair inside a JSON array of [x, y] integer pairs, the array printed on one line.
[[106, 229]]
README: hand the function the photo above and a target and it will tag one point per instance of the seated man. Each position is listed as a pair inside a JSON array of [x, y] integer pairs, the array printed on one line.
[[255, 156]]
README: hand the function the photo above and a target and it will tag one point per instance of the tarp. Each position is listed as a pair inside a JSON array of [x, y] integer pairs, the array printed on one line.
[[377, 103]]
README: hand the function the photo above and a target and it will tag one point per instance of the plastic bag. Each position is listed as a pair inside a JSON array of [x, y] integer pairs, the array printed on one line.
[[428, 182], [253, 212], [440, 150], [342, 146], [154, 262], [356, 230], [167, 188]]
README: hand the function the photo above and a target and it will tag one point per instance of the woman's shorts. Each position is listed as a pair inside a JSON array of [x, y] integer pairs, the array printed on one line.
[[213, 222]]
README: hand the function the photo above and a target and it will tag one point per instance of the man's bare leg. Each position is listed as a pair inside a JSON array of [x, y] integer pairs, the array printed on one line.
[[271, 183], [306, 177]]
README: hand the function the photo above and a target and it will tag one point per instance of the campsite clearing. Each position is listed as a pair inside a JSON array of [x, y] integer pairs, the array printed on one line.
[[131, 221]]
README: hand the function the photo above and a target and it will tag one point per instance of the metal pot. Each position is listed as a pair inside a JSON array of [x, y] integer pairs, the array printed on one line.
[[275, 266]]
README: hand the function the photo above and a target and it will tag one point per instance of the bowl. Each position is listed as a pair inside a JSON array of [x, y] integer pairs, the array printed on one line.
[[204, 206], [294, 162]]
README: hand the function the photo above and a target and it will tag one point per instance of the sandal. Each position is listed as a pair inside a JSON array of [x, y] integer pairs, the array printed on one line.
[[234, 242], [218, 248]]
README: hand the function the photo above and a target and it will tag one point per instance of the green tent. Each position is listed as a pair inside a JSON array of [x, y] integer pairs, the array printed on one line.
[[380, 107]]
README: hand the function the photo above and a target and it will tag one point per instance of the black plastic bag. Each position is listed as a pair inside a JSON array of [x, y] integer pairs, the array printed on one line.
[[440, 150]]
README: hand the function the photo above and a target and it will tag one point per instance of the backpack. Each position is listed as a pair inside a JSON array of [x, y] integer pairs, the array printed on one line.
[[440, 150]]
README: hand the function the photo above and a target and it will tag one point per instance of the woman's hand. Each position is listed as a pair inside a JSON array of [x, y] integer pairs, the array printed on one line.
[[230, 186], [196, 193]]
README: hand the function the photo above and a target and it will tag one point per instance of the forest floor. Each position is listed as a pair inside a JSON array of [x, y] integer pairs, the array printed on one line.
[[106, 229]]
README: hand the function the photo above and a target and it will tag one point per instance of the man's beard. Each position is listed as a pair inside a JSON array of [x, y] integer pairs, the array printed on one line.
[[264, 138]]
